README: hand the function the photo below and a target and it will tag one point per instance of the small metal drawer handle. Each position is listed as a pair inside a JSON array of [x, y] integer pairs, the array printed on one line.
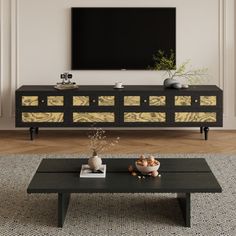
[[145, 100], [195, 100], [42, 101], [94, 100]]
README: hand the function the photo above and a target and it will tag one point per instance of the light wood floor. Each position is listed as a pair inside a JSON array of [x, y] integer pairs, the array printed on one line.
[[164, 141]]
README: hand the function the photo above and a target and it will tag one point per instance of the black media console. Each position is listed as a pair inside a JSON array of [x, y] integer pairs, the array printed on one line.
[[134, 106]]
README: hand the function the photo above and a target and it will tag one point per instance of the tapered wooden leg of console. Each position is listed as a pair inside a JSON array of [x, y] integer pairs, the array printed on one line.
[[201, 129], [31, 130], [206, 130]]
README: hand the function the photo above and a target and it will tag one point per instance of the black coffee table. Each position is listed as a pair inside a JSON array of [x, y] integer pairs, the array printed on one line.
[[178, 175]]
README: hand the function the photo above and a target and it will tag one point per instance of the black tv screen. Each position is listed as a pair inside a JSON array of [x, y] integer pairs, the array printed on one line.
[[121, 38]]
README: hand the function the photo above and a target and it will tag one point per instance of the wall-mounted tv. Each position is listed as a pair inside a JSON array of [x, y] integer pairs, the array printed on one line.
[[121, 38]]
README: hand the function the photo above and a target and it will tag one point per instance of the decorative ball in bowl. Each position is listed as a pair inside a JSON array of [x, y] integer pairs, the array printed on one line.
[[148, 165]]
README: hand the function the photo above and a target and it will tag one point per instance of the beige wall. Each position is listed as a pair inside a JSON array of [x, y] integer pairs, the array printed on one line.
[[35, 46]]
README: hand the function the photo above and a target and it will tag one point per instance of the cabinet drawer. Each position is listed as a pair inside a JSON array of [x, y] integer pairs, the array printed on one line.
[[132, 101], [106, 100], [39, 101], [145, 100], [183, 100], [208, 101], [157, 100], [195, 117], [195, 101], [30, 101], [87, 117], [92, 100], [55, 101], [144, 117], [81, 101], [39, 117]]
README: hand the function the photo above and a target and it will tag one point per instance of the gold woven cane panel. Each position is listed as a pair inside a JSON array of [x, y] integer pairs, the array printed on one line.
[[131, 100], [157, 100], [43, 117], [30, 101], [182, 100], [93, 117], [207, 100], [106, 100], [144, 117], [195, 117], [80, 100], [55, 101]]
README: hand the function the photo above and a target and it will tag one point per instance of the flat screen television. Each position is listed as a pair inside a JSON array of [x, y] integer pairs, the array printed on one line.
[[121, 38]]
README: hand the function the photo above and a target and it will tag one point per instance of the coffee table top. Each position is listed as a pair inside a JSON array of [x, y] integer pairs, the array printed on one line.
[[177, 175]]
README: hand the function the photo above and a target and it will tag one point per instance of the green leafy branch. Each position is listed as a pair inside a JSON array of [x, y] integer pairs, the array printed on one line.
[[167, 63]]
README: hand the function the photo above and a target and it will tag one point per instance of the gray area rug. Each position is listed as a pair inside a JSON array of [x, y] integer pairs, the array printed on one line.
[[114, 214]]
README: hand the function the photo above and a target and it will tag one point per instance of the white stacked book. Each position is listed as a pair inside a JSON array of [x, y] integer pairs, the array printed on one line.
[[86, 172]]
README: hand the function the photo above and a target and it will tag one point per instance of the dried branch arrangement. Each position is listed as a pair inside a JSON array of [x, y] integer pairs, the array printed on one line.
[[99, 142]]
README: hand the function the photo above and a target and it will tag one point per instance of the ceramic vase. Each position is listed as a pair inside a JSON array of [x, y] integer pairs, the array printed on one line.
[[95, 162], [169, 82]]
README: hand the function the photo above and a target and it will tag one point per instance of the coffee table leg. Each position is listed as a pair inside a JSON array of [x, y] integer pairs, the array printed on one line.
[[63, 203], [185, 205]]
